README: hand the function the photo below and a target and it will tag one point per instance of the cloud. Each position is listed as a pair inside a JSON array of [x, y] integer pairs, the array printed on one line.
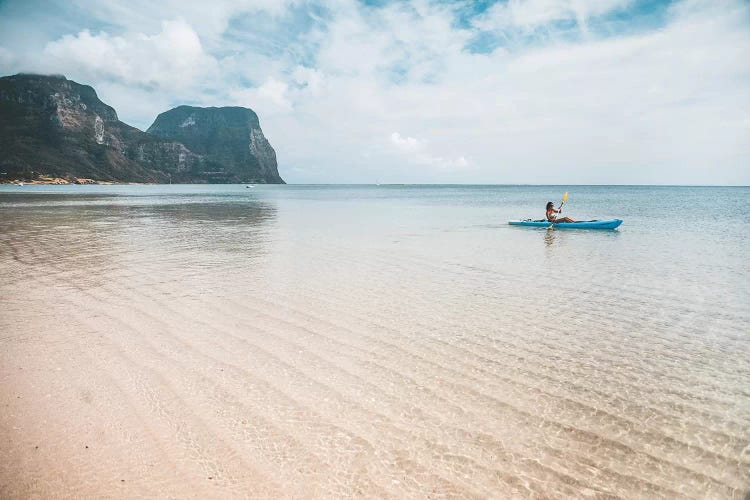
[[417, 152], [209, 21], [533, 14], [274, 96], [560, 93], [275, 91], [7, 58], [407, 144], [640, 107], [309, 79], [170, 59]]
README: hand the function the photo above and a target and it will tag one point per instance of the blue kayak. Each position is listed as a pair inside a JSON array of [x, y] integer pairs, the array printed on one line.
[[584, 224]]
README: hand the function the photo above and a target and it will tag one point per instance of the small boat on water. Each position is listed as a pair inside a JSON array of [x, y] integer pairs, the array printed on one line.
[[584, 224]]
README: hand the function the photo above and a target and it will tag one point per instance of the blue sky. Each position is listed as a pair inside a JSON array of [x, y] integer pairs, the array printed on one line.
[[516, 91]]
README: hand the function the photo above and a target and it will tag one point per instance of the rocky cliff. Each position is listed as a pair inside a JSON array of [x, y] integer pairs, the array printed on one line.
[[56, 127], [229, 139]]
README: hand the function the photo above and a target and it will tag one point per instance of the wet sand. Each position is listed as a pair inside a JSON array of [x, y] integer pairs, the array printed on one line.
[[211, 350]]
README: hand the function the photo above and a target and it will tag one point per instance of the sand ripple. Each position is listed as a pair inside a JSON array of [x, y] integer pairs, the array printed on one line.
[[233, 350]]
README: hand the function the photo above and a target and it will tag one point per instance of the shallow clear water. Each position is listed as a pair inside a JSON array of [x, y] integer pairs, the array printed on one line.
[[378, 340]]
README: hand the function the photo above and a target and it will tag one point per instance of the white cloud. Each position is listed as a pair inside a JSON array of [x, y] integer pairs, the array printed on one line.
[[170, 59], [7, 58], [209, 19], [275, 91], [647, 105], [418, 153], [665, 106], [408, 144], [532, 14], [310, 79]]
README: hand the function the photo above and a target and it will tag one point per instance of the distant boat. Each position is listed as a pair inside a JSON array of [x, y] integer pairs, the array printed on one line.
[[20, 184], [250, 186]]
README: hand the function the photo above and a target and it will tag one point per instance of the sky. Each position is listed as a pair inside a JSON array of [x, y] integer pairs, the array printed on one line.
[[451, 91]]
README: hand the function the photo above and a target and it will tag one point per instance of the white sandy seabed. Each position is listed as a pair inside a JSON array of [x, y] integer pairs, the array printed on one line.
[[218, 352]]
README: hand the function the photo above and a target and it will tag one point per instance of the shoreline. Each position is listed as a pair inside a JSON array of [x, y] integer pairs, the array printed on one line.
[[60, 181]]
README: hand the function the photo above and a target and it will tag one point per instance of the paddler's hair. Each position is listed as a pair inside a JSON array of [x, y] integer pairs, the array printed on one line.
[[550, 205]]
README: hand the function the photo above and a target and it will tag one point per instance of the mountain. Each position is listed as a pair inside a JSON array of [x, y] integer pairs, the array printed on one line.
[[53, 126], [229, 138]]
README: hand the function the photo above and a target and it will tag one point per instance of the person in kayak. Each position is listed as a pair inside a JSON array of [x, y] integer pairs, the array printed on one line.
[[552, 214]]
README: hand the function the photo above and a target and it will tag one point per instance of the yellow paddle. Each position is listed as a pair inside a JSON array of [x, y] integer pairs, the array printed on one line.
[[565, 198]]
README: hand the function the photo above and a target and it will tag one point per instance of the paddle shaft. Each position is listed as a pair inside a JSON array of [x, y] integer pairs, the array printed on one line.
[[559, 210]]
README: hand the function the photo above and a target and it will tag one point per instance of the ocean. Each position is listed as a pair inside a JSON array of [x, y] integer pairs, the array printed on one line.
[[384, 341]]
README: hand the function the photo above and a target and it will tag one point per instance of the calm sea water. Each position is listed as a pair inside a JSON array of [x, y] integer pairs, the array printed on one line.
[[407, 339]]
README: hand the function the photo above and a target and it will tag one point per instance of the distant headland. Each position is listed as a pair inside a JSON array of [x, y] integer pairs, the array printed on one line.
[[56, 131]]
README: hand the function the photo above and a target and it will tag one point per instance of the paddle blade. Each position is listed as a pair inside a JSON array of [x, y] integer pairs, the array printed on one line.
[[565, 197]]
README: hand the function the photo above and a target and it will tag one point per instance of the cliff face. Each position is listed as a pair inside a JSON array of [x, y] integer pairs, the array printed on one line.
[[229, 140], [53, 126]]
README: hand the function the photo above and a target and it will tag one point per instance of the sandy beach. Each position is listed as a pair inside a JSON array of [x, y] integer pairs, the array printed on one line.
[[284, 346], [382, 249]]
